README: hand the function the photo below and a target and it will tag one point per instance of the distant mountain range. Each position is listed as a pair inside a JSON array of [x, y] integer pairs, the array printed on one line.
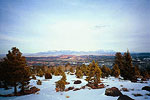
[[69, 52]]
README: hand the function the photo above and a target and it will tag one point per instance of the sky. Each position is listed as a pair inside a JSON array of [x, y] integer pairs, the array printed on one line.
[[79, 25]]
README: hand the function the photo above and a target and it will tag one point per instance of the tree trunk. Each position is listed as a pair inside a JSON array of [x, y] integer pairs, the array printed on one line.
[[22, 88], [15, 88]]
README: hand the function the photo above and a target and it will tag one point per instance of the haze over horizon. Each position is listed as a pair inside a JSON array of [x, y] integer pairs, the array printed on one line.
[[79, 25]]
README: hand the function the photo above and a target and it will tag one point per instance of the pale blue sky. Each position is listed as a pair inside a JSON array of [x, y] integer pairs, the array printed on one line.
[[81, 25]]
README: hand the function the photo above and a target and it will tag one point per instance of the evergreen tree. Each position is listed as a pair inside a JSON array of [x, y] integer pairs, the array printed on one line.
[[63, 76], [84, 69], [60, 85], [40, 73], [94, 73], [79, 74], [60, 71], [56, 73], [127, 71], [15, 69], [71, 70], [115, 70], [52, 70], [136, 71], [105, 71], [62, 82], [119, 61]]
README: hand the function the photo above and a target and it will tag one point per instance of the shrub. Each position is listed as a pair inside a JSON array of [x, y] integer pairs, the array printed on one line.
[[48, 76], [33, 77], [71, 70], [39, 82], [60, 85], [79, 74], [105, 71], [115, 70]]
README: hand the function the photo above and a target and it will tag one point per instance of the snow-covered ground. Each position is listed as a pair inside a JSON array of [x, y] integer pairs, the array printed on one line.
[[47, 90]]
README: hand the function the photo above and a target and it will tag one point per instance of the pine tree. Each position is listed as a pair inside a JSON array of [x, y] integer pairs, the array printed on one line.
[[16, 70], [115, 70], [60, 71], [127, 71], [119, 61], [136, 71], [94, 74], [84, 69], [79, 74], [60, 85], [62, 82], [52, 70], [105, 71], [63, 76], [71, 70], [40, 73], [56, 73]]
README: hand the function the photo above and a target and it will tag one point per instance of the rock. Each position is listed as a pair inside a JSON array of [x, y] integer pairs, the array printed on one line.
[[136, 95], [124, 97], [77, 82], [113, 92], [66, 90], [70, 88], [125, 89], [67, 83], [147, 88], [83, 87], [76, 89]]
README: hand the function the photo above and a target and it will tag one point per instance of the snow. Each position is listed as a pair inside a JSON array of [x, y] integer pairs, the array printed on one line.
[[47, 90]]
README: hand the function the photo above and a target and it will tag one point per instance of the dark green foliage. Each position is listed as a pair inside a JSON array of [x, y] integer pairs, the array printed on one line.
[[56, 73], [52, 70], [128, 70], [94, 74], [136, 71], [60, 71], [60, 85], [71, 70], [84, 69], [105, 71], [115, 70], [48, 75], [14, 70], [79, 74], [33, 77], [124, 63], [63, 76], [40, 73], [119, 61], [39, 82]]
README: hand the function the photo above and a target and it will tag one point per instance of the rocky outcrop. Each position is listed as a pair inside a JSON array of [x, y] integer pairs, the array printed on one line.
[[147, 88], [113, 92], [124, 97], [77, 82]]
